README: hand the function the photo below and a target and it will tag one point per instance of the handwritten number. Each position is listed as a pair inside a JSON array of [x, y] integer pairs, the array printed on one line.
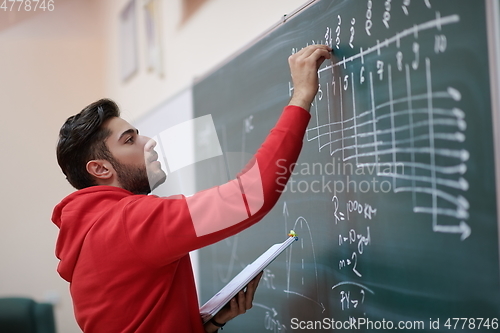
[[355, 258]]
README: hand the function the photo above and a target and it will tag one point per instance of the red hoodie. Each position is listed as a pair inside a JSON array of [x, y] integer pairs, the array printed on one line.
[[126, 256]]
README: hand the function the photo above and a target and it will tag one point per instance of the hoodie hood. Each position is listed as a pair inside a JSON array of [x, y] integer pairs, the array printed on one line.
[[75, 215]]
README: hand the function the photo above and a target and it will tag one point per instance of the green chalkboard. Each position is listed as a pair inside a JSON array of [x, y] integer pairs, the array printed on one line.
[[394, 196]]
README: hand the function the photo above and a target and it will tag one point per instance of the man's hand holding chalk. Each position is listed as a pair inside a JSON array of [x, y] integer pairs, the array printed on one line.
[[305, 80]]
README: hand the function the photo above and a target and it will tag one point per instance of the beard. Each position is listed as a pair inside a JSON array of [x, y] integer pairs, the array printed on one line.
[[136, 179], [132, 178]]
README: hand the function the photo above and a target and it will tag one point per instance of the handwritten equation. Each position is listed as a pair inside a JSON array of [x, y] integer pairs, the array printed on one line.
[[360, 116], [380, 102]]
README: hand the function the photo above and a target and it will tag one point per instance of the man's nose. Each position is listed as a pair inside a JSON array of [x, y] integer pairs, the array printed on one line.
[[149, 143]]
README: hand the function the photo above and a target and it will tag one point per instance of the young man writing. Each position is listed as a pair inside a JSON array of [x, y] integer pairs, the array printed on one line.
[[126, 253]]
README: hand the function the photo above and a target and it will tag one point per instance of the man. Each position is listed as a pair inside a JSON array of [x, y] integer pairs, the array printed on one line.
[[126, 253]]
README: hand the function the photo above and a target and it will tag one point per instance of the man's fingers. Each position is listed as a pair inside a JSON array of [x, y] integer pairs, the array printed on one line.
[[320, 55], [233, 305], [249, 300], [241, 302], [256, 279], [307, 51], [313, 55], [250, 292]]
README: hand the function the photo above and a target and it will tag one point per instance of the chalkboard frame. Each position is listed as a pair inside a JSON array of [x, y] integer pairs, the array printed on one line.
[[493, 28], [494, 109]]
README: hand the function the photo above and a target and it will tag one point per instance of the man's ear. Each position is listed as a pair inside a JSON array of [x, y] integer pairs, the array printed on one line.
[[100, 169]]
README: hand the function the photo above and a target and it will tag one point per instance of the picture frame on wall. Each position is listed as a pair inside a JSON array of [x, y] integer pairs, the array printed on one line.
[[189, 7], [129, 62], [153, 36]]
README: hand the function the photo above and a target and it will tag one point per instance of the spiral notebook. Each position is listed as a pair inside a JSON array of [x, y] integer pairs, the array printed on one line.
[[213, 305]]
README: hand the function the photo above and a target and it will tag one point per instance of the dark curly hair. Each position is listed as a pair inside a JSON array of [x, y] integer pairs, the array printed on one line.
[[82, 139]]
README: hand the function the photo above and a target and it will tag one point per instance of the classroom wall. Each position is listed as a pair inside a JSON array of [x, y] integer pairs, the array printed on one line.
[[190, 49], [52, 64]]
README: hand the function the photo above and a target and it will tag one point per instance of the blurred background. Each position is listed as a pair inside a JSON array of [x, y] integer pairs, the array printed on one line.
[[56, 60]]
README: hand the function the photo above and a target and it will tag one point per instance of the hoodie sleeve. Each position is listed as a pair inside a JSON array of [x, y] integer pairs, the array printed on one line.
[[162, 230]]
